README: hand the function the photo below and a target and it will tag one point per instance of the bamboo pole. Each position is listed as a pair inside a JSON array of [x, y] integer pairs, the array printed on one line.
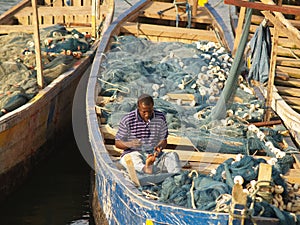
[[37, 44]]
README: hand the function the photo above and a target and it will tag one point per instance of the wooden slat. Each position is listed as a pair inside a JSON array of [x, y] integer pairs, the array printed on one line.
[[283, 61], [168, 32], [289, 91], [5, 29], [110, 133], [292, 72], [287, 9], [55, 11]]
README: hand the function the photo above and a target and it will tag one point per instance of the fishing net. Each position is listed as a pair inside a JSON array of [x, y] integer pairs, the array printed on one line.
[[199, 71], [60, 49]]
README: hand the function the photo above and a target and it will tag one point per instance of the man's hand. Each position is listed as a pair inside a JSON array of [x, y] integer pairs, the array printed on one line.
[[157, 150]]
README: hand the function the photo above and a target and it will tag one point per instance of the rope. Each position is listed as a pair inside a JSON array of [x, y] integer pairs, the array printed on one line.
[[116, 85], [192, 188]]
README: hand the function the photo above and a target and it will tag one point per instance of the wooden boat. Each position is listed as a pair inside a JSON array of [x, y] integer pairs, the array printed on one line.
[[285, 94], [27, 132], [119, 199]]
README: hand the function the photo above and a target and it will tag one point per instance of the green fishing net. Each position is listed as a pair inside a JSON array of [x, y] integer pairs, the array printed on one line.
[[17, 62]]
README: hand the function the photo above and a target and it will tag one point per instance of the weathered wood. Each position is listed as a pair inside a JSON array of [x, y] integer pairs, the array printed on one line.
[[286, 9], [170, 33], [291, 82], [289, 62], [289, 91], [37, 44], [284, 26], [264, 174], [271, 76], [291, 100], [239, 29], [109, 133], [292, 72], [131, 170]]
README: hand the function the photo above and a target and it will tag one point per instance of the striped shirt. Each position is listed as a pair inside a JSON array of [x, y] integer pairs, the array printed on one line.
[[132, 127]]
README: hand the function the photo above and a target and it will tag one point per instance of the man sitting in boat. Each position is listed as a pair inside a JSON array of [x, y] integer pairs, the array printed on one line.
[[143, 135]]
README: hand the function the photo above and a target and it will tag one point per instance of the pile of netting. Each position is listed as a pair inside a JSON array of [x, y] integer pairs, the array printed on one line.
[[213, 192], [60, 49], [134, 66]]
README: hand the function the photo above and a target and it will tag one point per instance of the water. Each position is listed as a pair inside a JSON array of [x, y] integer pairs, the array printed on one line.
[[58, 191]]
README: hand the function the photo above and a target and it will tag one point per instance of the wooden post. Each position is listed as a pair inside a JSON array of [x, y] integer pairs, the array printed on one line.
[[239, 30], [194, 7], [37, 44], [93, 18], [272, 72], [271, 75], [238, 205]]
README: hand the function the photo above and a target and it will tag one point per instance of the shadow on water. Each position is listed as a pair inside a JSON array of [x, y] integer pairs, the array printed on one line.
[[57, 192]]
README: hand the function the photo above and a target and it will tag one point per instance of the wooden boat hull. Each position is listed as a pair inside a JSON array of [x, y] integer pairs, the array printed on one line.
[[114, 197], [28, 133]]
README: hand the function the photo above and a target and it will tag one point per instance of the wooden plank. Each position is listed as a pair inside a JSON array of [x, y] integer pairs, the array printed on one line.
[[291, 100], [182, 96], [168, 32], [292, 82], [55, 11], [5, 29], [131, 171], [295, 92], [239, 30], [283, 51], [264, 174], [292, 33], [292, 72], [286, 9], [110, 133], [290, 62]]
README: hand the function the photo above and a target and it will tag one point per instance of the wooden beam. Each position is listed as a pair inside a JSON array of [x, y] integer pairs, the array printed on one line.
[[168, 32], [239, 30], [286, 9], [292, 33]]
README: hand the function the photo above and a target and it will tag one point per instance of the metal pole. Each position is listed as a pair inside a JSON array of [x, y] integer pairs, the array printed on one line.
[[37, 44]]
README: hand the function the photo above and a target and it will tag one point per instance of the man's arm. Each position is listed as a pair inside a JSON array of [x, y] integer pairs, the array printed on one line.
[[127, 144]]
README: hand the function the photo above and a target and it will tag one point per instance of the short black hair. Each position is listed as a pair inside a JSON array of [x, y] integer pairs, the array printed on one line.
[[145, 99]]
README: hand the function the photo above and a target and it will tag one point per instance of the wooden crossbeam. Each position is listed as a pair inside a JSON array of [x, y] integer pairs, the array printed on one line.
[[286, 9], [168, 32]]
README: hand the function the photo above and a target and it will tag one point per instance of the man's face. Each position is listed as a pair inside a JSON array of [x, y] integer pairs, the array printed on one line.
[[145, 111]]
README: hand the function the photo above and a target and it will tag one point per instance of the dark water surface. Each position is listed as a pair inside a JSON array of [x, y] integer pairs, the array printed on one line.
[[57, 192]]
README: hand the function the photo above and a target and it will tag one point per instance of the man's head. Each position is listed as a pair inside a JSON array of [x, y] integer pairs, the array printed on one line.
[[145, 106]]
